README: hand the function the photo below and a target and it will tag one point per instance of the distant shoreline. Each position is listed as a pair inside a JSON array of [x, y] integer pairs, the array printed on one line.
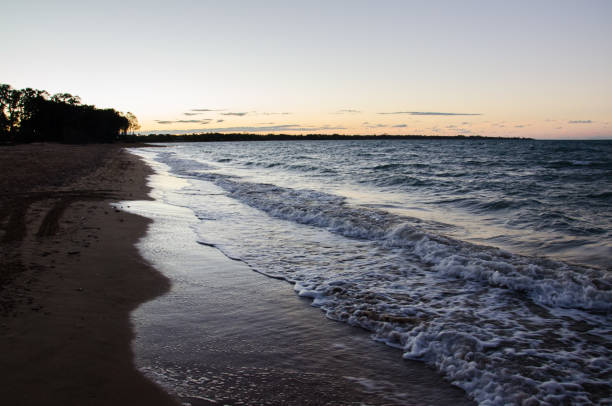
[[225, 137]]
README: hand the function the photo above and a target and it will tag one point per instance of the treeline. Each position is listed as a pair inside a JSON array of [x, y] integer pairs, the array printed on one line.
[[30, 115], [217, 137]]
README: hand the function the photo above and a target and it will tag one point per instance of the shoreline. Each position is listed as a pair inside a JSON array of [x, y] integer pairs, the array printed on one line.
[[226, 334], [248, 137], [434, 298], [72, 275]]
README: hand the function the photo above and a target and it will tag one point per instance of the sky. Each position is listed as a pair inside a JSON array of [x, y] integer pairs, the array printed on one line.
[[539, 69]]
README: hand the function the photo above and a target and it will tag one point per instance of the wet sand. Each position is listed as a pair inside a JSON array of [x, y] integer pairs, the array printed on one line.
[[70, 276]]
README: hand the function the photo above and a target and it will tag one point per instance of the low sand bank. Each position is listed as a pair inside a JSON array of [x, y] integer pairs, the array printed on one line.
[[70, 276]]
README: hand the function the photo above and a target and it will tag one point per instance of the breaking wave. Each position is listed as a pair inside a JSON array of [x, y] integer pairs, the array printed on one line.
[[506, 328]]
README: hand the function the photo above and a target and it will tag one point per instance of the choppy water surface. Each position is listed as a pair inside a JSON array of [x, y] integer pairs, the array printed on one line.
[[487, 259]]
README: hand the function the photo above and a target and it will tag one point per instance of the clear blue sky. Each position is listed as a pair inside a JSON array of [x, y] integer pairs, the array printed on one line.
[[526, 68]]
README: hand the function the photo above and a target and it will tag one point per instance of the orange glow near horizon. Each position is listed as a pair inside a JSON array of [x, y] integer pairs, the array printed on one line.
[[527, 69], [376, 124]]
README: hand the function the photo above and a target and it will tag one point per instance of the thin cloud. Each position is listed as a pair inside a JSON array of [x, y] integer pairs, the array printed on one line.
[[191, 114], [181, 121], [400, 126], [347, 111], [205, 110], [268, 113], [431, 113], [580, 122], [457, 129], [239, 114], [220, 120]]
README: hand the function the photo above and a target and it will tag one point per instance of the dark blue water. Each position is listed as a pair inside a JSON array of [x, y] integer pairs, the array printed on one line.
[[489, 260], [549, 198]]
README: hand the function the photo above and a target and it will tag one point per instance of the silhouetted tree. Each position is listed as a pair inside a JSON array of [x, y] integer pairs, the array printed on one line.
[[32, 115], [66, 98], [134, 125], [13, 104], [5, 91]]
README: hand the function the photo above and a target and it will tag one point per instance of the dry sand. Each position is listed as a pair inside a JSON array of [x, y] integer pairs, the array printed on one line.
[[70, 276]]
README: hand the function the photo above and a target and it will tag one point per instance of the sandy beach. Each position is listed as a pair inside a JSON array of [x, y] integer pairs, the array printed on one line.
[[70, 276]]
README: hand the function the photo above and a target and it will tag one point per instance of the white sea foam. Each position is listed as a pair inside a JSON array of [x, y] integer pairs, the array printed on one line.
[[546, 282], [508, 329]]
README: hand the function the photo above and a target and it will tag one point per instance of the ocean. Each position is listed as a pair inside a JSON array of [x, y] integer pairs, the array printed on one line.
[[486, 259]]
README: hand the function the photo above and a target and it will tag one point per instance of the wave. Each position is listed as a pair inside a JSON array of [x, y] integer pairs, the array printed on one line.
[[602, 195], [431, 318], [502, 326], [310, 168], [385, 167], [546, 282], [404, 180], [578, 164], [183, 166]]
